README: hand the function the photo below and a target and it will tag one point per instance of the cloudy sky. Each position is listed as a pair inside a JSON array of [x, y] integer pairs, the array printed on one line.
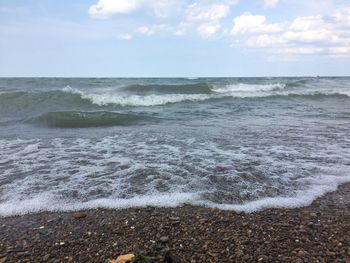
[[174, 38]]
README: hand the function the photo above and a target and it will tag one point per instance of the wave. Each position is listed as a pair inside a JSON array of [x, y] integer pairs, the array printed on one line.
[[278, 90], [136, 100], [153, 95], [169, 89], [249, 88], [77, 119]]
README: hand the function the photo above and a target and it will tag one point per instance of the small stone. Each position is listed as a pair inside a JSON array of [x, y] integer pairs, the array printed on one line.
[[310, 225], [123, 258], [3, 260], [62, 243], [79, 216], [174, 218], [46, 257], [301, 254], [262, 258], [313, 215], [171, 258], [164, 239]]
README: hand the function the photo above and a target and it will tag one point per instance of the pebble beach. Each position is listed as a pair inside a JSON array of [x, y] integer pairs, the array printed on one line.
[[316, 233]]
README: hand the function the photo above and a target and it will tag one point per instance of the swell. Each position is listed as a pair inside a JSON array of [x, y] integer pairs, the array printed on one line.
[[69, 98], [78, 119], [200, 88], [26, 102]]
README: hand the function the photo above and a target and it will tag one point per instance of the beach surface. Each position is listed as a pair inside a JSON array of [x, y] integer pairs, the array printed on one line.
[[317, 233]]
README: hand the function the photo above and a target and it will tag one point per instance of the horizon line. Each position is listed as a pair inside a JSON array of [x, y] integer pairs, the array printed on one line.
[[175, 77]]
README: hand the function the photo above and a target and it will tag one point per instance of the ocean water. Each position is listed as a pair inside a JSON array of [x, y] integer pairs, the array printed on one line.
[[241, 144]]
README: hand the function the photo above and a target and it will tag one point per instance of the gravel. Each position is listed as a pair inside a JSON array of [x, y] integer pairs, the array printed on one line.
[[317, 233]]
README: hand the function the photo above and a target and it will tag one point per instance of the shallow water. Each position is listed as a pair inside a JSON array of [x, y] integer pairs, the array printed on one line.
[[234, 143]]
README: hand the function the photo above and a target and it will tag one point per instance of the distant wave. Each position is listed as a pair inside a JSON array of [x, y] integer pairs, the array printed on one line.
[[169, 89], [77, 119], [216, 92], [249, 88]]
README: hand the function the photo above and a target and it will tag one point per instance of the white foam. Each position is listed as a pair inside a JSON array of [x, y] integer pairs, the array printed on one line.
[[319, 187], [136, 100], [254, 89], [126, 170], [49, 202]]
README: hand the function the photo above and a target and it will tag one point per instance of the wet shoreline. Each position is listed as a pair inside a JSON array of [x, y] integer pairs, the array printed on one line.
[[317, 233]]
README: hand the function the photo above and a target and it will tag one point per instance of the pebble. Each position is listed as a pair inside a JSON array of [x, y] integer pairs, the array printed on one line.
[[262, 258], [270, 238], [164, 239], [171, 258], [301, 254], [79, 216], [313, 215]]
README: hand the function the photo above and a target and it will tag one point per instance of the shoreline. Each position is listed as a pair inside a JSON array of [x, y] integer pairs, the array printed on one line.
[[316, 233]]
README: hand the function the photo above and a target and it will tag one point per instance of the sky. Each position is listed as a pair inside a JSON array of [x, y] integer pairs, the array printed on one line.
[[174, 38]]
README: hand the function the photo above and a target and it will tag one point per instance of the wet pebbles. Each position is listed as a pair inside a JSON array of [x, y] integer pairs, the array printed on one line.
[[318, 233]]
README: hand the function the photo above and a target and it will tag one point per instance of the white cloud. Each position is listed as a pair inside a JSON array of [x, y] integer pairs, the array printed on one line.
[[182, 28], [107, 8], [306, 50], [208, 30], [165, 8], [198, 12], [340, 50], [270, 3], [305, 35], [209, 10], [308, 36], [206, 16], [264, 40], [248, 23], [307, 23], [151, 30], [125, 36], [184, 16]]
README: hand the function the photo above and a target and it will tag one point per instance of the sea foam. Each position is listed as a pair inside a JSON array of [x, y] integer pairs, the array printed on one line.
[[126, 171]]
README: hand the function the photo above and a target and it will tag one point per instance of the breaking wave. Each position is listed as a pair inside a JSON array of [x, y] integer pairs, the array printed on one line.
[[153, 95]]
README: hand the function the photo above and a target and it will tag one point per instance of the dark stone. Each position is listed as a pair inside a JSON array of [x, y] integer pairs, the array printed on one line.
[[171, 258]]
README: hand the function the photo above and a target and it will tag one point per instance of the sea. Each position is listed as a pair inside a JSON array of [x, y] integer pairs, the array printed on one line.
[[242, 144]]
